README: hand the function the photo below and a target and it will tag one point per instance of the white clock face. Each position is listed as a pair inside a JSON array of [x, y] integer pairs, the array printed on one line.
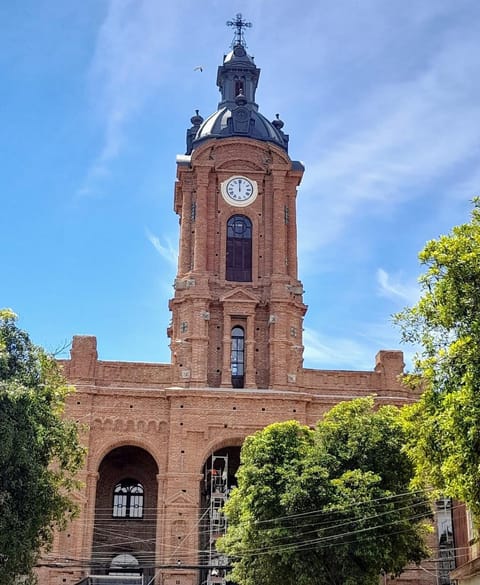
[[239, 191]]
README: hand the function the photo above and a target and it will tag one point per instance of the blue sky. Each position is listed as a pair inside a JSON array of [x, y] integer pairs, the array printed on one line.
[[382, 104]]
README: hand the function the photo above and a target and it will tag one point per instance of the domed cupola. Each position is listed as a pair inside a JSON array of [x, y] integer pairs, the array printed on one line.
[[237, 113]]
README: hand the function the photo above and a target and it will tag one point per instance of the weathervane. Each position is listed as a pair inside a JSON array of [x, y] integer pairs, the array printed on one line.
[[240, 24]]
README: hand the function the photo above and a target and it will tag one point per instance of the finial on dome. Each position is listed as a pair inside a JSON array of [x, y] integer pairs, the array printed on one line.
[[240, 24], [279, 124], [197, 119]]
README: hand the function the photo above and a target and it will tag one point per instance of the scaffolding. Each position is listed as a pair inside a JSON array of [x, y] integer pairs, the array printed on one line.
[[217, 490], [446, 544]]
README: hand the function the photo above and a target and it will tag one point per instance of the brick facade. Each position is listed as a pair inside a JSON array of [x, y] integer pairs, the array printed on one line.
[[168, 431], [158, 424]]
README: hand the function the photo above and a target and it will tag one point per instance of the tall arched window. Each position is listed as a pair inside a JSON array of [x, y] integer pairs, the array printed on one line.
[[238, 357], [128, 499], [239, 249]]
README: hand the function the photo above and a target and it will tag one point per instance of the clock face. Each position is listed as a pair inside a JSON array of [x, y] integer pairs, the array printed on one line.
[[239, 191]]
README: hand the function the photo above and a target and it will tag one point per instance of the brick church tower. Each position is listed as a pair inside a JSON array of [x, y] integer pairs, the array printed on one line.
[[238, 308], [164, 439]]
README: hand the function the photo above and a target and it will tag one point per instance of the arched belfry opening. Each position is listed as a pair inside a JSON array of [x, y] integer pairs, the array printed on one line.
[[218, 479], [125, 524]]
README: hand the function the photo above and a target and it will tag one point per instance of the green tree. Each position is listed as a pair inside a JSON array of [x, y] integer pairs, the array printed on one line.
[[444, 426], [326, 506], [39, 451]]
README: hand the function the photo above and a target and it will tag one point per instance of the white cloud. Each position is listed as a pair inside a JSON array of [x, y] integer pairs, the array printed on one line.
[[468, 187], [392, 287], [129, 65], [167, 251], [403, 137], [337, 353], [353, 345]]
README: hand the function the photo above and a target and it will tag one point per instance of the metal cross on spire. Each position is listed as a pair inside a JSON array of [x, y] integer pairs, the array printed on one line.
[[240, 24]]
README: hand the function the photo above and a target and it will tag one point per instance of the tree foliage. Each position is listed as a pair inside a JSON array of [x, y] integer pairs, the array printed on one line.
[[39, 451], [325, 506], [444, 426]]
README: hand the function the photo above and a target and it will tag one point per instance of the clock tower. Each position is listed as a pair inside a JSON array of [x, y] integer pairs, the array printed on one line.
[[164, 439], [237, 311]]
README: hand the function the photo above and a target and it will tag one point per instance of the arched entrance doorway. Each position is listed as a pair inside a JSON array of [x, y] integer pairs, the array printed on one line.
[[219, 477], [125, 514]]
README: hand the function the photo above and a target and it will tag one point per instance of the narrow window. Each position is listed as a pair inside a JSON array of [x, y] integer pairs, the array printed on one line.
[[239, 87], [238, 357], [128, 499], [239, 249]]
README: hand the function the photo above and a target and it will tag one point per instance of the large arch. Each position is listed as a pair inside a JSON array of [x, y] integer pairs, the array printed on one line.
[[125, 510], [218, 478], [217, 445], [105, 446]]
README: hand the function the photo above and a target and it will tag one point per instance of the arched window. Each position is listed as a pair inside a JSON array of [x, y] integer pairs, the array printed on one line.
[[239, 88], [238, 357], [239, 249], [124, 565], [128, 499]]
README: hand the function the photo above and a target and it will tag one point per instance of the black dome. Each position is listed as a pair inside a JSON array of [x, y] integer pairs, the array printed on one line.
[[240, 121], [237, 113]]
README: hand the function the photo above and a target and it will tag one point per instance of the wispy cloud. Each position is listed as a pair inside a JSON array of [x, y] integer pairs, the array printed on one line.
[[354, 346], [468, 187], [392, 287], [327, 351], [404, 136], [167, 251], [126, 69]]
